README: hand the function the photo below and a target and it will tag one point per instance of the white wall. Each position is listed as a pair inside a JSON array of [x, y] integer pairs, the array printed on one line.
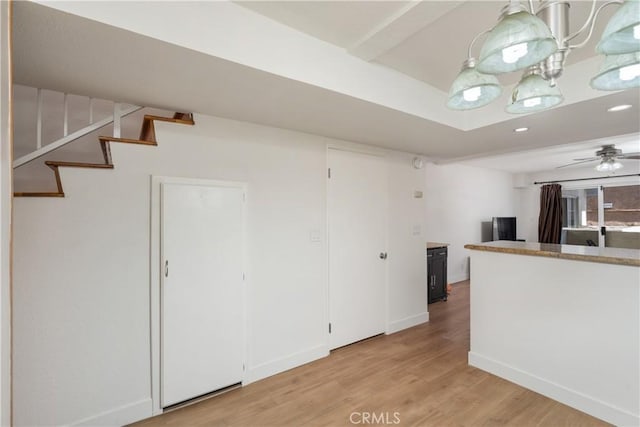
[[82, 266], [5, 215], [528, 196], [407, 235], [459, 198], [545, 324]]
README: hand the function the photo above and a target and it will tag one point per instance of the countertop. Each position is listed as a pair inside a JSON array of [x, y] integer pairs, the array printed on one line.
[[434, 245], [618, 256]]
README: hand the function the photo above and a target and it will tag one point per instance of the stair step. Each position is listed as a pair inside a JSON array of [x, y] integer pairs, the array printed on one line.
[[147, 132], [169, 119], [125, 140], [34, 194], [54, 163]]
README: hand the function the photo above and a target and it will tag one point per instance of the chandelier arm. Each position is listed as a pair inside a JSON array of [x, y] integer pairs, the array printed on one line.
[[590, 19], [593, 24], [475, 39]]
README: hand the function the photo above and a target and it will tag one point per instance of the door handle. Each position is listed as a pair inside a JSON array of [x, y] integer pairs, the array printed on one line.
[[383, 255], [166, 268]]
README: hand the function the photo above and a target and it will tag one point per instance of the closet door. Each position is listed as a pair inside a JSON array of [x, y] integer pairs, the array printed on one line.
[[357, 207], [202, 307]]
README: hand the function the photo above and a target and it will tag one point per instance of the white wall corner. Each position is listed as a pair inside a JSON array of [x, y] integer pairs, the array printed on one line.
[[460, 277]]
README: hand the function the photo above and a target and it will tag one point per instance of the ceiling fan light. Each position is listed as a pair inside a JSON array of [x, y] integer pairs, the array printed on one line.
[[533, 93], [518, 41], [618, 72], [608, 165], [622, 33], [472, 89]]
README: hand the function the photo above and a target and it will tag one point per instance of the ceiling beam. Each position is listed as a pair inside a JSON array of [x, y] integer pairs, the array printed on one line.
[[399, 26]]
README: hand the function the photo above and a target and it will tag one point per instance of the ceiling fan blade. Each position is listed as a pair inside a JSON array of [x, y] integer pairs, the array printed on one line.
[[577, 163], [586, 159], [630, 156]]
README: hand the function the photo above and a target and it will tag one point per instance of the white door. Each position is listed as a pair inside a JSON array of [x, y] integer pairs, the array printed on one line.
[[357, 246], [202, 308]]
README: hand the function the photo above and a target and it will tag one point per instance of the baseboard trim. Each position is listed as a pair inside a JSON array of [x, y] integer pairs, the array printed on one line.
[[268, 369], [408, 322], [458, 278], [575, 399], [120, 416]]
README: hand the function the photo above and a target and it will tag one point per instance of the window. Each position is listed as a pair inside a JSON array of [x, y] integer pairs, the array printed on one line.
[[582, 224]]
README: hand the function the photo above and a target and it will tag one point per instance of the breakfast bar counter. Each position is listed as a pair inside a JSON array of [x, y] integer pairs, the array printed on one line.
[[572, 252], [561, 320]]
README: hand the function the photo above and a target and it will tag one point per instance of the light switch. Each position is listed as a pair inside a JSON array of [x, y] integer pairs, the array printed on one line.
[[417, 230], [417, 194], [315, 236]]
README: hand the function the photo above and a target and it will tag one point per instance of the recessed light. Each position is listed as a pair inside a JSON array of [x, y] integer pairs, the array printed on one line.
[[619, 108], [521, 129]]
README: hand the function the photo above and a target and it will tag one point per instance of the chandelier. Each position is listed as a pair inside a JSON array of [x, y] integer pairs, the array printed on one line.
[[538, 41]]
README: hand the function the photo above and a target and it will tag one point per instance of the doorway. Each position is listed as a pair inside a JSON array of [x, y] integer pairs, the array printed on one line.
[[201, 292], [357, 223]]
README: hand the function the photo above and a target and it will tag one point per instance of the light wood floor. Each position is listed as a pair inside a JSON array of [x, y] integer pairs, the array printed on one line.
[[420, 373]]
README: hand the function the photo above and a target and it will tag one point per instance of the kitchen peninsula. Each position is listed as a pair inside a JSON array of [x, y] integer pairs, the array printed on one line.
[[561, 320]]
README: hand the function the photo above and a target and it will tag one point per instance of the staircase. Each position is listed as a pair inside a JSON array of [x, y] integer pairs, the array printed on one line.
[[147, 137]]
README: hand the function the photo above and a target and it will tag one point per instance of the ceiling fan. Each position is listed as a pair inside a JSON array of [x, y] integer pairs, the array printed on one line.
[[608, 156]]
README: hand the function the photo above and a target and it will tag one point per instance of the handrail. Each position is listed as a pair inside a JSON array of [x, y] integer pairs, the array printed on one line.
[[41, 151]]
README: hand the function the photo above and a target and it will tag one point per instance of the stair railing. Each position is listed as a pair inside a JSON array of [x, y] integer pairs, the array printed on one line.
[[118, 113]]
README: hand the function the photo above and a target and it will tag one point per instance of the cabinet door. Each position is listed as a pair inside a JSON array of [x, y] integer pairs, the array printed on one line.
[[429, 275], [437, 286], [443, 278]]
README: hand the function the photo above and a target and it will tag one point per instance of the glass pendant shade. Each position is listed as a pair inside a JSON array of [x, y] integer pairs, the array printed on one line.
[[622, 34], [608, 165], [472, 89], [618, 72], [533, 93], [516, 42]]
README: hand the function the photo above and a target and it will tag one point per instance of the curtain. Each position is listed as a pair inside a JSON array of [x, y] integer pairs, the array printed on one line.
[[550, 220]]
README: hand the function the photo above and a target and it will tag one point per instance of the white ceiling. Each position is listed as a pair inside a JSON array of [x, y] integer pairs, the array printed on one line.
[[342, 23], [561, 156], [420, 51], [65, 52]]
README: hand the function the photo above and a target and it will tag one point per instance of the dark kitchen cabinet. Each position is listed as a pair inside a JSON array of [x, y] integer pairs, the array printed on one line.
[[437, 274]]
